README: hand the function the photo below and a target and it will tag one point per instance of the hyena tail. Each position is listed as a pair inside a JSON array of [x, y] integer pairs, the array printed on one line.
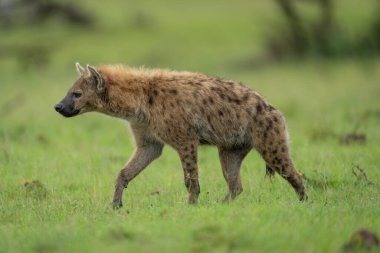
[[269, 172]]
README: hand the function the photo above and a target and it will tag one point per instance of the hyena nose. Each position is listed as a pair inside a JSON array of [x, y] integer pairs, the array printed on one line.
[[58, 107]]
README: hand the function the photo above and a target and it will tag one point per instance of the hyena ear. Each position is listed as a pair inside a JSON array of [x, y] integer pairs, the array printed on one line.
[[100, 85], [80, 69]]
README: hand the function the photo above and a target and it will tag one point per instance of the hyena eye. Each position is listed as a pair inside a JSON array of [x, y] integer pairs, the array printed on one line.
[[77, 94]]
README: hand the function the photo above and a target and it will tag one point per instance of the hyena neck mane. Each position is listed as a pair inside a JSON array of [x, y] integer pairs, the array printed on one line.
[[128, 90]]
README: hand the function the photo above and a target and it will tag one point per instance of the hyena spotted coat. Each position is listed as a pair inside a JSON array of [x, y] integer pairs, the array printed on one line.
[[185, 110]]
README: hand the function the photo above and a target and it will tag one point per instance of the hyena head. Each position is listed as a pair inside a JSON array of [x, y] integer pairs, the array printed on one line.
[[85, 95]]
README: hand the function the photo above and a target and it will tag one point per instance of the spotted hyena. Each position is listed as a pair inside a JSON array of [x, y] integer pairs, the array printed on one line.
[[185, 110]]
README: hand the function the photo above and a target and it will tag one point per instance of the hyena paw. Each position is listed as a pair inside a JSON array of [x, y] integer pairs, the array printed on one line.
[[232, 195], [302, 195], [193, 199], [227, 199], [117, 204]]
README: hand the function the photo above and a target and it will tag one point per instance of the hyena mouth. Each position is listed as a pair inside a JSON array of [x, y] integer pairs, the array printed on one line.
[[69, 114], [67, 111]]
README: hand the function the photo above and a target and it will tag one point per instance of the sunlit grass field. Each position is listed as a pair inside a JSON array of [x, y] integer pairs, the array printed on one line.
[[76, 160]]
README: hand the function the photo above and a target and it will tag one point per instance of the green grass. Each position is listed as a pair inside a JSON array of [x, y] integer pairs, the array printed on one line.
[[77, 159]]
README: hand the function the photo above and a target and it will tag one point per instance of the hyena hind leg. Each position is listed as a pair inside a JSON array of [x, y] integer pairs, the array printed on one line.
[[282, 163], [271, 141]]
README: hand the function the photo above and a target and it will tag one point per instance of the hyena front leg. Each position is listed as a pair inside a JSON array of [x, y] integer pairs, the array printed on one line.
[[188, 156], [231, 160], [142, 157]]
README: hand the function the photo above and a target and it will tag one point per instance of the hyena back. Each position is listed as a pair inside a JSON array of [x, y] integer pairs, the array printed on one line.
[[185, 110]]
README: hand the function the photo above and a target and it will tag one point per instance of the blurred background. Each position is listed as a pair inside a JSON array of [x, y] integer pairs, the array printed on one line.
[[37, 33], [208, 36], [305, 56]]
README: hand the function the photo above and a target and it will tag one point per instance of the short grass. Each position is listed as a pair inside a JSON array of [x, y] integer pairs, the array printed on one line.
[[78, 159]]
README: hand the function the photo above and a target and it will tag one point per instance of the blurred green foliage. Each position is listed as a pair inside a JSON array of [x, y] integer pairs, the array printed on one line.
[[324, 36]]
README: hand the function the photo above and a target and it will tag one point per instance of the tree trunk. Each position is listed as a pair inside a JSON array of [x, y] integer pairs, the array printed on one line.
[[299, 35]]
